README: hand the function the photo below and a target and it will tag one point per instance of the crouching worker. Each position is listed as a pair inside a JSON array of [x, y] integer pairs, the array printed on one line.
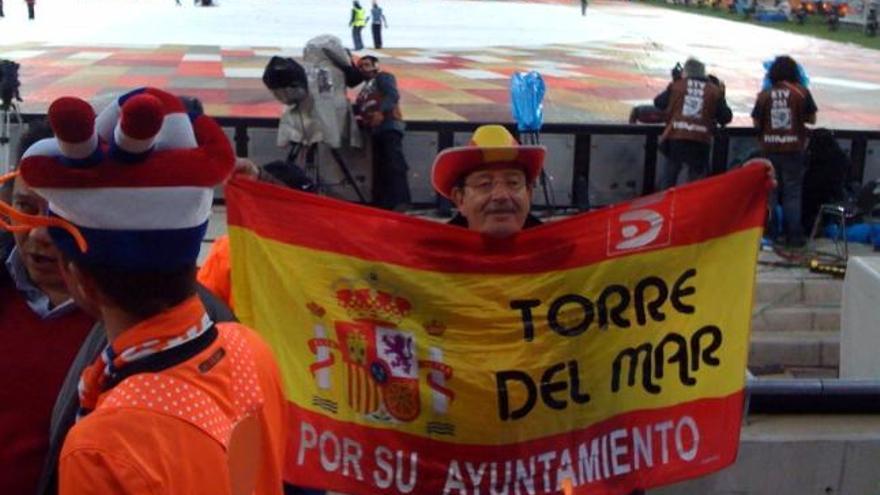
[[175, 403]]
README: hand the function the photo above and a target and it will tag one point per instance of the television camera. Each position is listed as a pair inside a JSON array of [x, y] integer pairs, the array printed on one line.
[[9, 113], [310, 118], [9, 84]]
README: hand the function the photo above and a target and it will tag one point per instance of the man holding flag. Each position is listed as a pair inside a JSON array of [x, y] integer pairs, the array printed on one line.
[[490, 181], [601, 352]]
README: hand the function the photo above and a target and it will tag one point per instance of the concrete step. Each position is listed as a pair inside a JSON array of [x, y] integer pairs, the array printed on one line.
[[796, 290], [779, 372], [795, 349], [797, 455], [795, 317]]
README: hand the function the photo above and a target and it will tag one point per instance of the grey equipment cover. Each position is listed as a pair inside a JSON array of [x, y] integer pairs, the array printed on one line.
[[331, 108]]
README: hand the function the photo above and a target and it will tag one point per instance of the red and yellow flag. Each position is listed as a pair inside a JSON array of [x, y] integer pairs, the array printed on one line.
[[596, 354]]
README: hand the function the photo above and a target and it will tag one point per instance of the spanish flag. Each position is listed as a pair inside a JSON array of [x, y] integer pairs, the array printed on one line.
[[601, 353]]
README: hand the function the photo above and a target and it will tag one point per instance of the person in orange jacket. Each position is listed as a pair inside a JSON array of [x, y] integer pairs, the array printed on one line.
[[175, 403], [215, 273]]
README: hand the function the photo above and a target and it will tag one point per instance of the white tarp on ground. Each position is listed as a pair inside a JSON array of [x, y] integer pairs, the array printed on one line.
[[430, 24]]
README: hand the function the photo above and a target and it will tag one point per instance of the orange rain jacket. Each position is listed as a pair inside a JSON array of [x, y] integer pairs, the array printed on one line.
[[215, 273], [212, 424]]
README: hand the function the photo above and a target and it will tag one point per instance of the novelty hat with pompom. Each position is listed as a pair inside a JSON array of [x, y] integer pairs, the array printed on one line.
[[137, 181]]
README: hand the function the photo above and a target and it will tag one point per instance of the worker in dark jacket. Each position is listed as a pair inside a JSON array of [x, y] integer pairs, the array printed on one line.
[[377, 110], [694, 106], [377, 21], [781, 114]]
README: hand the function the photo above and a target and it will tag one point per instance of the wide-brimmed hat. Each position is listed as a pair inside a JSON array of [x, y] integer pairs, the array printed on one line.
[[491, 146]]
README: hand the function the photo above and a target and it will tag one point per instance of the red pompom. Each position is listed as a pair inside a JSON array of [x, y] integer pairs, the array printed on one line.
[[72, 119], [142, 117]]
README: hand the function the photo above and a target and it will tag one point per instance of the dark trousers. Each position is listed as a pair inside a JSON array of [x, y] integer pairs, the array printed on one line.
[[30, 10], [683, 153], [583, 7], [390, 183], [790, 170], [377, 36], [356, 37], [1, 8]]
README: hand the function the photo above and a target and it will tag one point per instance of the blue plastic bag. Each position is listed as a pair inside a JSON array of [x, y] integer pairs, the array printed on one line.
[[526, 97], [802, 75], [859, 232]]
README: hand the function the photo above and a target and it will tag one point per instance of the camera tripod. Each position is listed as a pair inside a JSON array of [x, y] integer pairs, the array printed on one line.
[[10, 114], [314, 173], [534, 138]]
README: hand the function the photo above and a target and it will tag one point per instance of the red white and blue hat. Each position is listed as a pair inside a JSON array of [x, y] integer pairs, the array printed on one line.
[[137, 181]]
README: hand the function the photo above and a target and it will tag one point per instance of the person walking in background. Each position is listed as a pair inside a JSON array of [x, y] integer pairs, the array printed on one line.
[[357, 22], [780, 114], [377, 20], [30, 4]]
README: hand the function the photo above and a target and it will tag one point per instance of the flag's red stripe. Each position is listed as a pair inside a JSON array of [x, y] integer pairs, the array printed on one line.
[[706, 209], [717, 419]]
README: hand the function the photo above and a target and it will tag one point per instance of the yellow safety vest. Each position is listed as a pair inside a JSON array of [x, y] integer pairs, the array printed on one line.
[[360, 18]]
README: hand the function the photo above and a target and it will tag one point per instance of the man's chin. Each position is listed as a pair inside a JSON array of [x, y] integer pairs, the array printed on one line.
[[501, 229], [44, 272]]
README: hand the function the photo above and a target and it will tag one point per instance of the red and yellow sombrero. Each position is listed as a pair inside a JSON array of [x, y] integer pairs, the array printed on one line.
[[491, 146]]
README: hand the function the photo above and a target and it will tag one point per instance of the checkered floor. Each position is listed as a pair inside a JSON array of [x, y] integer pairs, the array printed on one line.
[[592, 82]]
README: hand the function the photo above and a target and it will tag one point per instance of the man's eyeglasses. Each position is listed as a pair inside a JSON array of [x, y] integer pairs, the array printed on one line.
[[486, 186]]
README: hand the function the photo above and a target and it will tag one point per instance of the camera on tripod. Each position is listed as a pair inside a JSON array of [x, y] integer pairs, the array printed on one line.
[[9, 84], [317, 119]]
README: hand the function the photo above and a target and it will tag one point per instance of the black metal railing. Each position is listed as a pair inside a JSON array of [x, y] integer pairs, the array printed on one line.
[[813, 396], [583, 134], [583, 139]]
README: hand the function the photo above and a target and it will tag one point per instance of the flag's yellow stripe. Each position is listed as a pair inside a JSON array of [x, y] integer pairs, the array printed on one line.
[[273, 282]]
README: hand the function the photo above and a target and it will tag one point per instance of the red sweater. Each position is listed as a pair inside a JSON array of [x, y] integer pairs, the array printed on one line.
[[34, 357]]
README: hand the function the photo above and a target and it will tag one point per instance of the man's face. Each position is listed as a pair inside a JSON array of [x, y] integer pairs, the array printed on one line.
[[36, 248], [494, 202], [368, 68]]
